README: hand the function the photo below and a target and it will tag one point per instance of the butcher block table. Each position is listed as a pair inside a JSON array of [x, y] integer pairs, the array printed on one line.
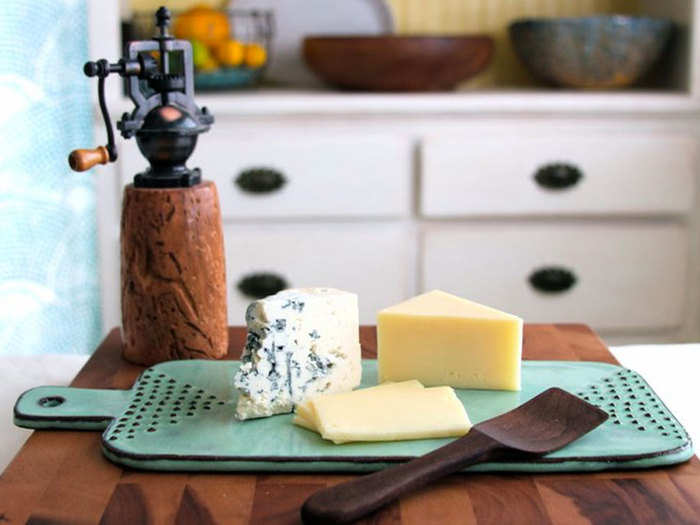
[[61, 477]]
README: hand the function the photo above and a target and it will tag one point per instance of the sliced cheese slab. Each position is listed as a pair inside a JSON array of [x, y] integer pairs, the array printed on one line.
[[441, 339], [304, 411], [305, 423], [306, 415], [390, 414]]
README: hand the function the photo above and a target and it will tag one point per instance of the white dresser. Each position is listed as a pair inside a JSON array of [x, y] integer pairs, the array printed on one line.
[[556, 206]]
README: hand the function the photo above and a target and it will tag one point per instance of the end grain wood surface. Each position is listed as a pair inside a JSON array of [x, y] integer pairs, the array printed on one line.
[[61, 476]]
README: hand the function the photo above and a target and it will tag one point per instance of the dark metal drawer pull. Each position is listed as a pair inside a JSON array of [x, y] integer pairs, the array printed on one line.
[[552, 279], [259, 285], [558, 176], [260, 180]]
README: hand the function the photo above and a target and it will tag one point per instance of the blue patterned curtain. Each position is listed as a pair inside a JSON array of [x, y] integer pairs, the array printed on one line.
[[49, 294]]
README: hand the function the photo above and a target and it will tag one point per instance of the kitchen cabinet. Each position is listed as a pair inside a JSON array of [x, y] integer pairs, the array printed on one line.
[[473, 192]]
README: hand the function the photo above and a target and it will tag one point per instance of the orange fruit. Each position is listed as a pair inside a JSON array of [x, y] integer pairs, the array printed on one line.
[[205, 24], [255, 55], [230, 53]]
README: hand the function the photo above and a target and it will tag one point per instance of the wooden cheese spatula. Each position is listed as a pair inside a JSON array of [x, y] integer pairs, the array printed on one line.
[[544, 424]]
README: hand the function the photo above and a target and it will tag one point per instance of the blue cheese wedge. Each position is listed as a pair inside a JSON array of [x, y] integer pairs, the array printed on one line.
[[301, 342]]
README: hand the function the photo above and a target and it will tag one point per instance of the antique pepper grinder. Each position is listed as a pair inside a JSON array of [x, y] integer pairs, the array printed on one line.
[[173, 277]]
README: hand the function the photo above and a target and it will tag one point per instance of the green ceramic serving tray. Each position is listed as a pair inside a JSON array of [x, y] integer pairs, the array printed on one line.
[[179, 416]]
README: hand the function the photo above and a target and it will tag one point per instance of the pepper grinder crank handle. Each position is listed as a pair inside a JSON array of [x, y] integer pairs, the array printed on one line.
[[84, 159]]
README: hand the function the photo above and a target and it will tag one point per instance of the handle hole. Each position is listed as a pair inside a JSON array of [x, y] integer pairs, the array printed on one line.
[[558, 176], [552, 279], [52, 401], [259, 285], [260, 180]]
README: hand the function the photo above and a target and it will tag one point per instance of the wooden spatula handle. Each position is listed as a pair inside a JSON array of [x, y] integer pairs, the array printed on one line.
[[84, 159], [350, 501]]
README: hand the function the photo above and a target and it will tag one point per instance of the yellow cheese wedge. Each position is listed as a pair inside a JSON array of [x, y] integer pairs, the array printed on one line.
[[306, 416], [390, 414], [442, 339]]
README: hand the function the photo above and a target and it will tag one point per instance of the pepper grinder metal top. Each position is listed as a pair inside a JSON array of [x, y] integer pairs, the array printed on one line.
[[166, 120]]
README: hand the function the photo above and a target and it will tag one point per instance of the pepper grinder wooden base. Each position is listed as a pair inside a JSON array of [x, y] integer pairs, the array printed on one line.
[[173, 275]]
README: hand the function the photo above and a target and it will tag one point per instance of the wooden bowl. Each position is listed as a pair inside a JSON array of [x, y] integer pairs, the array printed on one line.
[[397, 63]]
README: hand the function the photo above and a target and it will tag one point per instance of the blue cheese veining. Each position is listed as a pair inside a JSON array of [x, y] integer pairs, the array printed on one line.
[[301, 342]]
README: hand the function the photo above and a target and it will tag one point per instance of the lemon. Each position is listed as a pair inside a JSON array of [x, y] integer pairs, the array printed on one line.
[[201, 56], [255, 55], [205, 24], [208, 65], [229, 53]]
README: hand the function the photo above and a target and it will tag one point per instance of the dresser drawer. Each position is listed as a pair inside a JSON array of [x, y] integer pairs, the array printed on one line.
[[370, 260], [613, 175], [611, 277], [301, 176]]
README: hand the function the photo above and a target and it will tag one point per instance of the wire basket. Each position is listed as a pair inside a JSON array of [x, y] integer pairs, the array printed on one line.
[[250, 36]]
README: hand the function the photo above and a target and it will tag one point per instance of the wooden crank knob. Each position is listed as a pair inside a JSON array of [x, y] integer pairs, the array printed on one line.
[[84, 159]]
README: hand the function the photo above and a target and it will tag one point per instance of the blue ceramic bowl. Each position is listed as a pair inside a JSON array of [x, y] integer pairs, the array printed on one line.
[[227, 78], [595, 52]]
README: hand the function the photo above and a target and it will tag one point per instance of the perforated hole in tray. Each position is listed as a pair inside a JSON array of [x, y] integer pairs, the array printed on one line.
[[160, 401], [629, 402]]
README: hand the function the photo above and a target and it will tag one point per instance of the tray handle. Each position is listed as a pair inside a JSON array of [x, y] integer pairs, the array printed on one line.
[[62, 407]]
